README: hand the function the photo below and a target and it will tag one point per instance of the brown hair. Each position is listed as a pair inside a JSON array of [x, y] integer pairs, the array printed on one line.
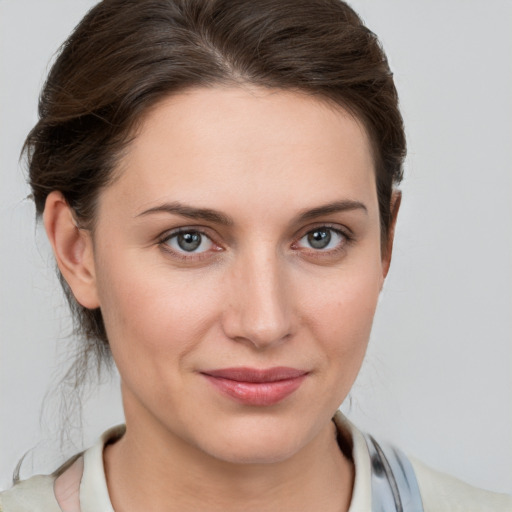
[[126, 55]]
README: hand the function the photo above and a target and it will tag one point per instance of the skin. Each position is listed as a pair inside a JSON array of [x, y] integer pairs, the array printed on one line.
[[256, 293]]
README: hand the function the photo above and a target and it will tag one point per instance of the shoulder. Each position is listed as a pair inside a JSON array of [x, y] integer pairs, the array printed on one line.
[[409, 478], [81, 478], [32, 495], [441, 492]]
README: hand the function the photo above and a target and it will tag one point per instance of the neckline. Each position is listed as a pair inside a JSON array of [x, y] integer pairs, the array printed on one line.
[[93, 489]]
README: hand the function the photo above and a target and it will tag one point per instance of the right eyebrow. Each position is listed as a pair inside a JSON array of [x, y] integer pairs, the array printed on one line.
[[177, 208]]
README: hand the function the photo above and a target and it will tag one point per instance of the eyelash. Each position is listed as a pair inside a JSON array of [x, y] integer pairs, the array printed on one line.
[[163, 242]]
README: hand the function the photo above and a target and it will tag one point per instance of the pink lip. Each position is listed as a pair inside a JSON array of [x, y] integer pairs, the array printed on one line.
[[251, 386]]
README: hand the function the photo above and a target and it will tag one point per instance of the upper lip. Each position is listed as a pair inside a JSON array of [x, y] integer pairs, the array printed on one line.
[[246, 374]]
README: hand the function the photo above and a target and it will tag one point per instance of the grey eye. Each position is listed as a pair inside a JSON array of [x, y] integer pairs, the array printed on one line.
[[319, 239], [322, 239], [190, 241]]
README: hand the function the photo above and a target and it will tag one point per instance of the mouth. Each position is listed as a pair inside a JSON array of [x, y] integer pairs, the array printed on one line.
[[251, 386]]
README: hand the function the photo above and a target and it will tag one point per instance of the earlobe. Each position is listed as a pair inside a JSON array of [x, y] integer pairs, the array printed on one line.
[[73, 249], [396, 200]]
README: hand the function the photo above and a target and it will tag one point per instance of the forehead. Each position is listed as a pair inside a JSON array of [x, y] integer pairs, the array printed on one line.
[[244, 145]]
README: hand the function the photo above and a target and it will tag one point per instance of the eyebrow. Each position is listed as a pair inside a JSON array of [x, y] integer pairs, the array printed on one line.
[[207, 214], [335, 207], [177, 208]]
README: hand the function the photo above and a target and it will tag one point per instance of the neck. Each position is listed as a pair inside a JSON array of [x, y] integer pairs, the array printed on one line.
[[150, 468]]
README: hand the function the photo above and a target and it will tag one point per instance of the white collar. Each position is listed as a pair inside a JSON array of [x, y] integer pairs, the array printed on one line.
[[94, 496]]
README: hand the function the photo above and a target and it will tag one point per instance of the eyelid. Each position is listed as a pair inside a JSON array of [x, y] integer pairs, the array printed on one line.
[[165, 235], [343, 230]]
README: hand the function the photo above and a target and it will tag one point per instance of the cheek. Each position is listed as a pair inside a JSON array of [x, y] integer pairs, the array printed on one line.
[[340, 314], [152, 316]]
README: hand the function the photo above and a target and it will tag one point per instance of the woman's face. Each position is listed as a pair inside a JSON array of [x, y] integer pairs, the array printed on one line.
[[237, 265]]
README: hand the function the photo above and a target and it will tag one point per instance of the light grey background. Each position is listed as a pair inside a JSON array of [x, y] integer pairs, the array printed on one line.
[[438, 376]]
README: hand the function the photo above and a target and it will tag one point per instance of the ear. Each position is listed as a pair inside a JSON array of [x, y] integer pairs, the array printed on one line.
[[73, 249], [396, 200]]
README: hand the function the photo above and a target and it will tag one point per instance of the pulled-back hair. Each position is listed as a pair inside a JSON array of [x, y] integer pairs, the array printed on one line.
[[127, 55]]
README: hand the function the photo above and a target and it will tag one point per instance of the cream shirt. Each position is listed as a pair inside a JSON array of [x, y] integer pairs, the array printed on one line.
[[439, 492]]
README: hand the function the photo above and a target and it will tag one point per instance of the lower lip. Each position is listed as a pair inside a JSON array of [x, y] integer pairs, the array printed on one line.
[[257, 393]]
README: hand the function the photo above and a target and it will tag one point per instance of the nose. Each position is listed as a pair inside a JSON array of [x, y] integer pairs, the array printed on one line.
[[259, 308]]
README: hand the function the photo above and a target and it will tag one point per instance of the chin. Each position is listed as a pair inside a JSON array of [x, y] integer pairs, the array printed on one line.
[[256, 442], [241, 453]]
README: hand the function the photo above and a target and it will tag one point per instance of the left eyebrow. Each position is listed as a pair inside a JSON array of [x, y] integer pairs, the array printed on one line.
[[177, 208], [329, 208]]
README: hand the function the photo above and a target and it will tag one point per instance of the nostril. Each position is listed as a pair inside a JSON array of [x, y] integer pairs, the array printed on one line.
[[264, 330]]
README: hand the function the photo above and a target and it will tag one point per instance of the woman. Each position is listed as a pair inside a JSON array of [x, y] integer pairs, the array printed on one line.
[[218, 183]]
